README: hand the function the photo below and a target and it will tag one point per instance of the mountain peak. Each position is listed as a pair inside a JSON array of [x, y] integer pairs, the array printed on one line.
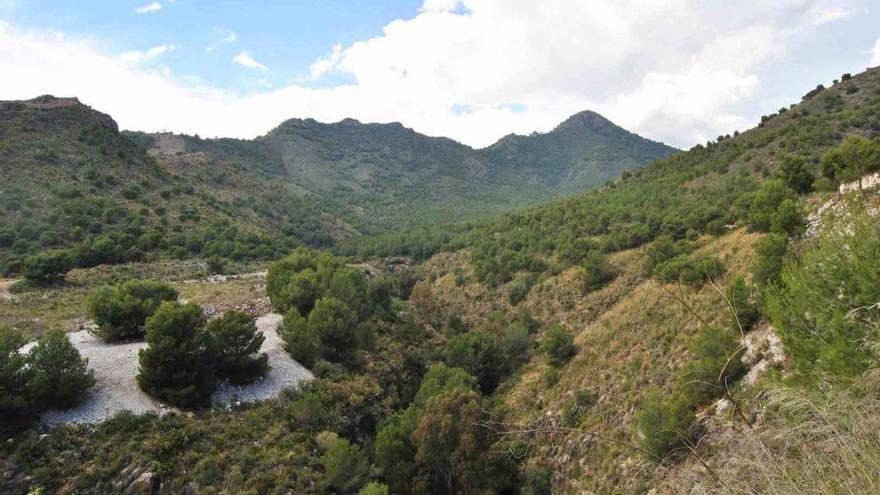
[[585, 120]]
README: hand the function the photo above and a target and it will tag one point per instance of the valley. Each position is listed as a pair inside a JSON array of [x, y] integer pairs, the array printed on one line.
[[580, 311]]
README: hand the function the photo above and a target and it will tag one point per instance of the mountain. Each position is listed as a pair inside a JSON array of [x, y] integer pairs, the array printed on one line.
[[381, 176], [704, 324]]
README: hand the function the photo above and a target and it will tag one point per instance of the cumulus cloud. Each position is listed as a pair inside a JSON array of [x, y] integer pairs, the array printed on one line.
[[244, 58], [139, 56], [681, 71], [148, 8], [875, 55]]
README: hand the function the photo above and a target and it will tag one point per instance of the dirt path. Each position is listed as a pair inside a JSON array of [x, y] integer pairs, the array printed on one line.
[[5, 285], [116, 366]]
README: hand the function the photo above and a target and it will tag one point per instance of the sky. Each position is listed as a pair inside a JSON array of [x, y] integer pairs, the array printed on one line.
[[678, 71]]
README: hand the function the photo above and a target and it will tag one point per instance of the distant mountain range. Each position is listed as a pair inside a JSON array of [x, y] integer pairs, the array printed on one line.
[[70, 177], [380, 176]]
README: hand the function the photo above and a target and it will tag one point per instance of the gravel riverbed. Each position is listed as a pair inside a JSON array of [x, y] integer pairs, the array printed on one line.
[[116, 389]]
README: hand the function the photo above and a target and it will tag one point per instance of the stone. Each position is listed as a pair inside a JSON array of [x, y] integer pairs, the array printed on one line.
[[145, 484]]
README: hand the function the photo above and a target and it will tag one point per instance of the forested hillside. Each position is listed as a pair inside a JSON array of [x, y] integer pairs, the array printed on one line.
[[703, 324], [381, 177]]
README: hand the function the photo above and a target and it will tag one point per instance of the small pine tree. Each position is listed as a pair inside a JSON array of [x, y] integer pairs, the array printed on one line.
[[122, 311], [15, 378], [238, 346], [61, 375], [177, 366], [558, 345]]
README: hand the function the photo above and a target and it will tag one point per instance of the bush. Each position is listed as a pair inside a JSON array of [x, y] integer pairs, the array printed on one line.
[[664, 424], [121, 311], [345, 467], [480, 353], [302, 344], [177, 366], [238, 344], [742, 304], [15, 378], [597, 272], [770, 253], [46, 267], [60, 375], [690, 269], [795, 175], [715, 361], [558, 345], [374, 488]]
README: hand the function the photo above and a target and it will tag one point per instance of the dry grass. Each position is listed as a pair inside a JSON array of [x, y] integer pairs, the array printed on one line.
[[805, 443]]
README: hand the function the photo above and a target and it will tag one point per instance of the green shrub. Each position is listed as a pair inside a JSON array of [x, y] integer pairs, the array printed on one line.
[[538, 481], [742, 304], [575, 407], [795, 174], [664, 424], [178, 364], [693, 269], [597, 272], [375, 488], [302, 343], [480, 353], [715, 362], [770, 252], [518, 290], [345, 467], [46, 267], [121, 311], [824, 306], [558, 344], [238, 347], [15, 378], [60, 375]]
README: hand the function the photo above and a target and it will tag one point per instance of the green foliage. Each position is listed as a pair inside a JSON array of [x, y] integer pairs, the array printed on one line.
[[538, 481], [795, 174], [825, 303], [441, 378], [453, 449], [576, 407], [480, 353], [855, 157], [238, 347], [597, 271], [345, 467], [764, 207], [375, 488], [742, 304], [664, 424], [122, 311], [558, 344], [770, 252], [46, 267], [693, 269], [337, 329], [60, 376], [15, 378], [715, 363], [178, 365]]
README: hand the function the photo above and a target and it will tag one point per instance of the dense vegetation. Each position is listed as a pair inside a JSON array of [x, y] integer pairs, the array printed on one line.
[[644, 290]]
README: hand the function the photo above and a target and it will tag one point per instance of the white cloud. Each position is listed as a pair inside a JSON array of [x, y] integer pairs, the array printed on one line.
[[244, 58], [682, 71], [139, 56], [148, 8], [875, 55], [229, 38], [326, 64]]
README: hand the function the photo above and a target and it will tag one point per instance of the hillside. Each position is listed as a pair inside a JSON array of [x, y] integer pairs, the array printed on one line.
[[703, 324], [589, 264], [72, 180], [385, 176]]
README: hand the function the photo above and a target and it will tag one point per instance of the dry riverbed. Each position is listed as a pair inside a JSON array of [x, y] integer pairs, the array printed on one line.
[[116, 366]]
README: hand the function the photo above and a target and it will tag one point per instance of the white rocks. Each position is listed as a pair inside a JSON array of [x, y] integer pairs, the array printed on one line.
[[764, 350]]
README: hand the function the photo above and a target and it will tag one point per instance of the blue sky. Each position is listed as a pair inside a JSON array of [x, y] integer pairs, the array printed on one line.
[[679, 71], [286, 36]]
